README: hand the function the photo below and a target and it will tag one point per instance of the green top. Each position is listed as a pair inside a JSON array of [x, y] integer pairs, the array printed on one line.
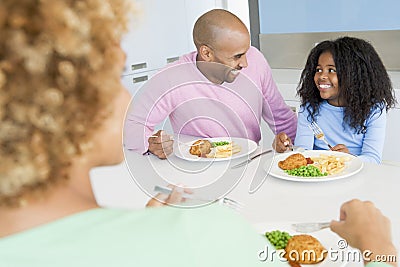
[[378, 264], [209, 236]]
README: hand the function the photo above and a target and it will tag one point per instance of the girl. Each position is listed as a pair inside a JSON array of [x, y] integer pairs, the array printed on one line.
[[346, 90]]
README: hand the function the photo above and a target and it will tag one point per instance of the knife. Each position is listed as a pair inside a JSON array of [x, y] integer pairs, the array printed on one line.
[[250, 159]]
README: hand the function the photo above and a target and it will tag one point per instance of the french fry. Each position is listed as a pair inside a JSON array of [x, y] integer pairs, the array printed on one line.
[[330, 164], [224, 151]]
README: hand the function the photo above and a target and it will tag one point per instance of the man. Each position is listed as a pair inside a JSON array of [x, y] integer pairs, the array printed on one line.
[[222, 89]]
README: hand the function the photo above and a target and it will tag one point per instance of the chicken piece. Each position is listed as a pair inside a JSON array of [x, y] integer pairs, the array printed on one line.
[[200, 148], [292, 162], [305, 249]]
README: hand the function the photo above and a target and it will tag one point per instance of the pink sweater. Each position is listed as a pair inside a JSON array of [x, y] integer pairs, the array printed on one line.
[[197, 107]]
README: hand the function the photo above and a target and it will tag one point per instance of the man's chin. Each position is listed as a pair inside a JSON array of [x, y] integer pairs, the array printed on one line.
[[231, 77]]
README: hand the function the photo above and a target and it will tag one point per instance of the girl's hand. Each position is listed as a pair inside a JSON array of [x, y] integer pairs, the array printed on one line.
[[341, 148]]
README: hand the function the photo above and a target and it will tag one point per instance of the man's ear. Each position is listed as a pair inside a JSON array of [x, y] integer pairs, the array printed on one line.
[[206, 53]]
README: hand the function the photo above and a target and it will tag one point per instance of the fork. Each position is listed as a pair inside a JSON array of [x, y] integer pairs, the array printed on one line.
[[318, 133], [295, 148], [310, 227], [231, 203], [222, 201]]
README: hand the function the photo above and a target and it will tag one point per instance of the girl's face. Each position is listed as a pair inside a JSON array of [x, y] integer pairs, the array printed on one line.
[[326, 80]]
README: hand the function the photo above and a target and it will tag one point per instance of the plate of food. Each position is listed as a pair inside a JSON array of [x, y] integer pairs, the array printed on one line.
[[215, 149], [319, 249], [313, 166]]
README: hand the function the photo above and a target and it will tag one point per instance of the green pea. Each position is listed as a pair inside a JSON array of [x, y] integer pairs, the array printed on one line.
[[306, 171], [278, 239]]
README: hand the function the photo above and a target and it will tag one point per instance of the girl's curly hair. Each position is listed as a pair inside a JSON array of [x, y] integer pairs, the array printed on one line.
[[362, 79], [57, 73]]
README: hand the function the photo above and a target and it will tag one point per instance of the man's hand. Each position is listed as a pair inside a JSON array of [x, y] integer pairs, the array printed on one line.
[[161, 145], [281, 142]]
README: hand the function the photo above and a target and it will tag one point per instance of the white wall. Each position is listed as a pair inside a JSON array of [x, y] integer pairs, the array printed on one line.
[[240, 8]]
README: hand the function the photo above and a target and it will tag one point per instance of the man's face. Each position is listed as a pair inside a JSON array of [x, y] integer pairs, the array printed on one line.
[[230, 52]]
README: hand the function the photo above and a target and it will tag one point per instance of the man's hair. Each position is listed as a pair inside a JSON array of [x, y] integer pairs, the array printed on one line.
[[209, 26]]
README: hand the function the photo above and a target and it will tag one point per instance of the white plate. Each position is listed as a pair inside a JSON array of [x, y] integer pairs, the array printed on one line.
[[330, 241], [352, 167], [247, 146]]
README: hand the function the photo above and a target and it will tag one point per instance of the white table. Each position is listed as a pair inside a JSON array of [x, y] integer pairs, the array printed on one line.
[[277, 200], [286, 201]]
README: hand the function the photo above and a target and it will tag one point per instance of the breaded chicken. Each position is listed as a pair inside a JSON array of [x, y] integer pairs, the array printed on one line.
[[200, 148], [305, 249], [292, 162]]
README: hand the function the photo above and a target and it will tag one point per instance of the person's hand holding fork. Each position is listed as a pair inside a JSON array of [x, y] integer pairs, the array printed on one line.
[[282, 143], [161, 144], [341, 148], [320, 135]]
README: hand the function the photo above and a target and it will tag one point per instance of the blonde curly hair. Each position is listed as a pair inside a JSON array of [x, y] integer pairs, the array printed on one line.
[[56, 72]]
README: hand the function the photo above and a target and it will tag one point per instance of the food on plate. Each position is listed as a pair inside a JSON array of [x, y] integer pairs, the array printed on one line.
[[278, 239], [220, 143], [309, 161], [323, 165], [306, 171], [330, 164], [224, 151], [200, 148], [206, 149], [292, 162], [305, 249]]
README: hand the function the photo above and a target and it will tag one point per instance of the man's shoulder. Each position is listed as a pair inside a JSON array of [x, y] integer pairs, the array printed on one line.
[[186, 58], [257, 64], [256, 59], [254, 52], [183, 60], [181, 64]]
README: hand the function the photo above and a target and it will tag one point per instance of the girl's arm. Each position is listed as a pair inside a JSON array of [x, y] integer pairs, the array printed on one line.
[[304, 135], [374, 137]]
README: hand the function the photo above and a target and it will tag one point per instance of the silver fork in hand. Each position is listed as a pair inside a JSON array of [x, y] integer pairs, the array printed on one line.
[[318, 133], [310, 227]]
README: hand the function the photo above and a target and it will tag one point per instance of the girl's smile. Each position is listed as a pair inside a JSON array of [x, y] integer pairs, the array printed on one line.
[[326, 80]]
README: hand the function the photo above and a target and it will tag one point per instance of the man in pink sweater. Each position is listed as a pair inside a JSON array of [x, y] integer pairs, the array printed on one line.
[[222, 89]]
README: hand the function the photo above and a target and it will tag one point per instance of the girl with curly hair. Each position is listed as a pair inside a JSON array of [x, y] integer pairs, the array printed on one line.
[[346, 90]]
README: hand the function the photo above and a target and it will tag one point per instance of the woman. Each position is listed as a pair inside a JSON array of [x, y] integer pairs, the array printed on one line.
[[62, 107]]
